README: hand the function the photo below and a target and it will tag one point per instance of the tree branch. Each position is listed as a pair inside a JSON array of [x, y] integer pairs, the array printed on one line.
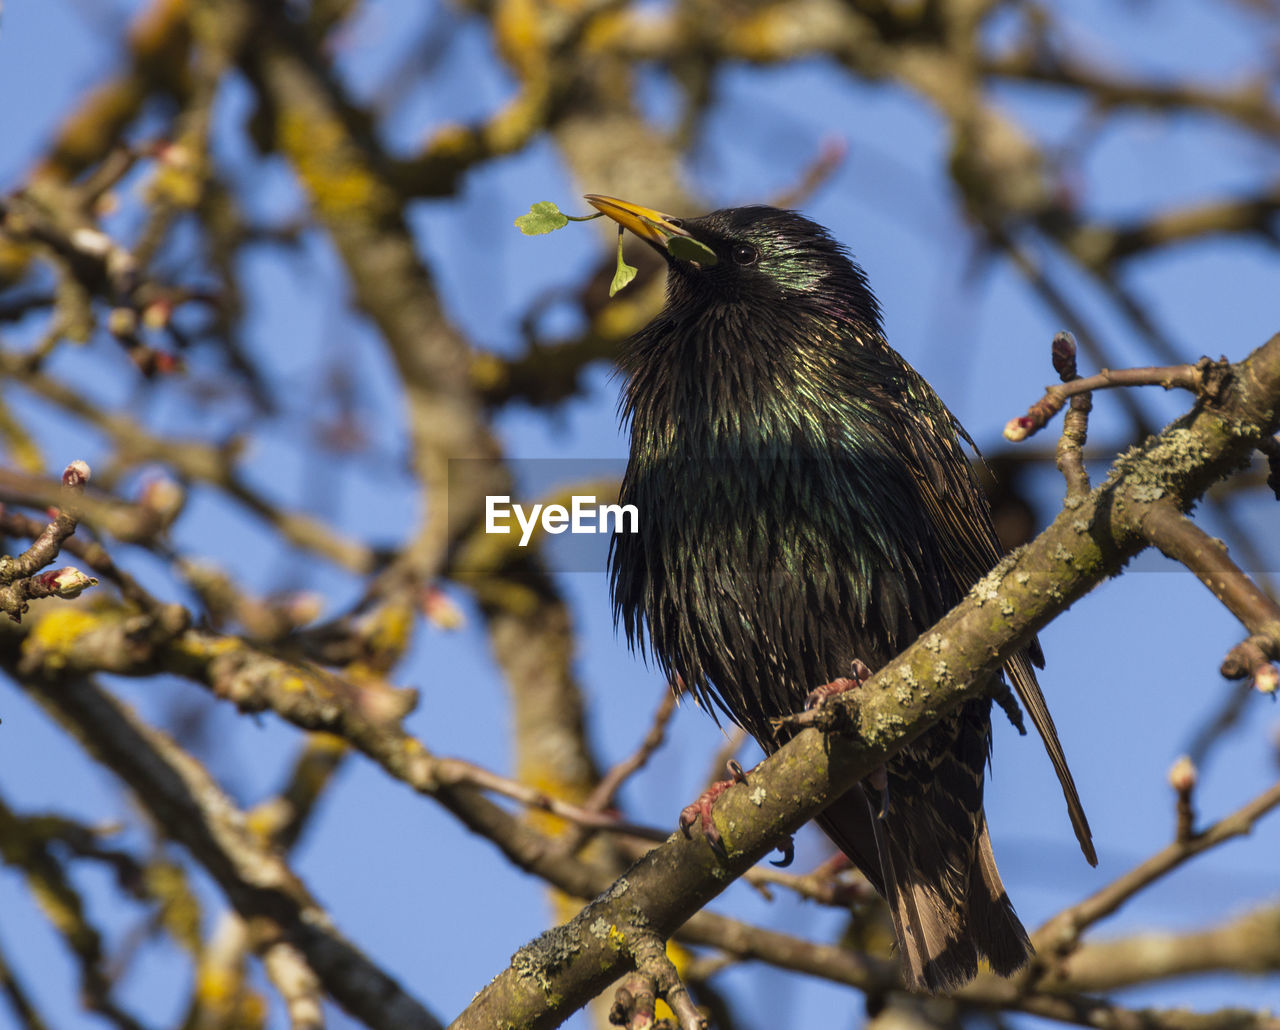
[[1086, 543], [184, 799]]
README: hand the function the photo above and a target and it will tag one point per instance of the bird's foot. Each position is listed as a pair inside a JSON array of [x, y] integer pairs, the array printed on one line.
[[819, 696], [700, 810], [816, 711]]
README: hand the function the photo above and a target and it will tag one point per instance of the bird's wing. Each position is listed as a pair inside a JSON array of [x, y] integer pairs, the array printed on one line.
[[961, 517]]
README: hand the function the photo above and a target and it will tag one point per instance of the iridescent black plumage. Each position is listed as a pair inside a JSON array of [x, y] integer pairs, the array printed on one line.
[[804, 501]]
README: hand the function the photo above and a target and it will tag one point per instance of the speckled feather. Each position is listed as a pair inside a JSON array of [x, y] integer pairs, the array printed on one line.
[[804, 501]]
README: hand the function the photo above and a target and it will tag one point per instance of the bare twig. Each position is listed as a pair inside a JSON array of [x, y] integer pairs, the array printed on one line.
[[1067, 313], [833, 884], [1231, 709], [455, 772], [1182, 778], [1202, 376], [19, 582], [1075, 425], [1247, 102], [602, 796], [1182, 540], [605, 791], [1061, 933], [92, 553], [830, 157], [45, 547], [19, 998]]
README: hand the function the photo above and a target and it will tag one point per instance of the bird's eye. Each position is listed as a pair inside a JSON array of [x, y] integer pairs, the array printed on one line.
[[745, 254]]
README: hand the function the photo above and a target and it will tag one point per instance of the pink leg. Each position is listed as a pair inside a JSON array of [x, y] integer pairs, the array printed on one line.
[[818, 696], [700, 810]]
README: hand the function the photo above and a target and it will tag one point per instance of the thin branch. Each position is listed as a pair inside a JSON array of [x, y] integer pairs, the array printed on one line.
[[19, 998], [19, 582], [1067, 313], [1060, 934], [1202, 376], [48, 542], [190, 459], [1100, 246], [1248, 944], [1182, 540], [606, 790], [1228, 715], [92, 553], [1075, 424], [830, 157], [456, 772], [1182, 778], [182, 796], [602, 796], [1249, 103], [833, 883]]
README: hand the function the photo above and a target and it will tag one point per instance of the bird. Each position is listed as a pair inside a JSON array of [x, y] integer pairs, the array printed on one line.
[[806, 508]]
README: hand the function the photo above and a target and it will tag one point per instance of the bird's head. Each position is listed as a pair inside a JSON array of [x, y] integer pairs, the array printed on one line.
[[763, 257]]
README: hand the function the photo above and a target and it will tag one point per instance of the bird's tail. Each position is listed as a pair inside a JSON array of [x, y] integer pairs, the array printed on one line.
[[944, 892]]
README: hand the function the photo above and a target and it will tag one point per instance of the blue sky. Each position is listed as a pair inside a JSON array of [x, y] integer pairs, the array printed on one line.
[[1132, 668]]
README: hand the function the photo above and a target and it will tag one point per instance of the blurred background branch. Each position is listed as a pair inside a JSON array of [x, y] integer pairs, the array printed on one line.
[[257, 270]]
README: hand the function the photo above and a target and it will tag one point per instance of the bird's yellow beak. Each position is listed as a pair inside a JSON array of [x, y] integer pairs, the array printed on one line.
[[651, 226]]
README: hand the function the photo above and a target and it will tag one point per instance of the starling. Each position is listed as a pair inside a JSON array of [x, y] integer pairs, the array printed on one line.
[[805, 505]]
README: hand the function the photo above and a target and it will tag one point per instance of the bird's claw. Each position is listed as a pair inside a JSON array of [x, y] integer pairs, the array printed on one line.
[[818, 696], [700, 810], [788, 849]]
